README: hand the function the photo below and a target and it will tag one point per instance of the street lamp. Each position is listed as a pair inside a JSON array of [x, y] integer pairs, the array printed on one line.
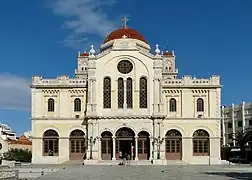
[[91, 143], [159, 141]]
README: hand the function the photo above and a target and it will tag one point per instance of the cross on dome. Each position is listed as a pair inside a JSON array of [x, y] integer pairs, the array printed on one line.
[[124, 36], [124, 20]]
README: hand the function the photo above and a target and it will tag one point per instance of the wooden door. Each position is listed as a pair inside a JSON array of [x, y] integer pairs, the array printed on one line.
[[173, 149]]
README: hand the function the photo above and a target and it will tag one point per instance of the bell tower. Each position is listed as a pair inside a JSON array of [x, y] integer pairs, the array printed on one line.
[[169, 68], [82, 68]]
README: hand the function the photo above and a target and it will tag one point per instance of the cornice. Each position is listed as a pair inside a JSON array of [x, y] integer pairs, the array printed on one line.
[[192, 118], [120, 117], [169, 86], [57, 118], [57, 86]]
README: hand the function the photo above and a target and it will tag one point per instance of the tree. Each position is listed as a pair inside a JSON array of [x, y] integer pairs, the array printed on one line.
[[242, 138], [18, 155]]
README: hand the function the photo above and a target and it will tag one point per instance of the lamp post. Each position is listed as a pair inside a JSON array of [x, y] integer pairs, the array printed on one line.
[[159, 141], [91, 143]]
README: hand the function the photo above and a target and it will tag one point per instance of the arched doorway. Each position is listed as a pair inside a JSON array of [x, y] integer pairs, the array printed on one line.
[[201, 143], [106, 146], [173, 145], [143, 145], [77, 144], [50, 143], [125, 142]]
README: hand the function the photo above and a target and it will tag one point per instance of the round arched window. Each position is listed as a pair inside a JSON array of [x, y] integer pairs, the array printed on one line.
[[1, 146], [125, 66]]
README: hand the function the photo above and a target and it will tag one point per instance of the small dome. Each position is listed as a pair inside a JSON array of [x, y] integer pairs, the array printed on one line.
[[130, 33], [168, 53], [84, 54]]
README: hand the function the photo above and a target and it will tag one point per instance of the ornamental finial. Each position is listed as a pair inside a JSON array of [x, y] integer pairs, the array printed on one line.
[[125, 20], [157, 50]]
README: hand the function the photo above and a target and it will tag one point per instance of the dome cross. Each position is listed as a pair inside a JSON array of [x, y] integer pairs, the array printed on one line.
[[125, 20]]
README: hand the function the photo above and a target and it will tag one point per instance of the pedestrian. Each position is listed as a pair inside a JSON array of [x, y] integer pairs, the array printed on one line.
[[124, 158], [121, 158], [1, 159], [128, 159], [84, 156]]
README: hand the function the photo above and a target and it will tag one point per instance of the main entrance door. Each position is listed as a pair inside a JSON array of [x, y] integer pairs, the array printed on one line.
[[77, 145], [173, 143], [143, 145], [106, 146], [125, 142]]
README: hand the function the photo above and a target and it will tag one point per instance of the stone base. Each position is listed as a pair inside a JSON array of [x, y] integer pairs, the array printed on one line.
[[159, 162], [91, 162]]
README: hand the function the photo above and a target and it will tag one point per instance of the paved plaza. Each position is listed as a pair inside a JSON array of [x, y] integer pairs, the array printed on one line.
[[151, 173]]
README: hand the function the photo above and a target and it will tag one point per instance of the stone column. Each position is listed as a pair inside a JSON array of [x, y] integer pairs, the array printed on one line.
[[215, 156], [151, 148], [93, 95], [114, 148], [136, 148], [99, 147], [187, 149], [125, 94]]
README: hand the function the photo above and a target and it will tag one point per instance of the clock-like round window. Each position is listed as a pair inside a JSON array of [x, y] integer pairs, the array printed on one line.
[[125, 66]]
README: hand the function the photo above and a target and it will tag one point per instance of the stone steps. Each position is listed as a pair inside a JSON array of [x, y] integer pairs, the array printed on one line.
[[73, 162]]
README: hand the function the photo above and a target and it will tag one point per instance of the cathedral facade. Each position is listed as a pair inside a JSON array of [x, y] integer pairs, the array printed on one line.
[[126, 98]]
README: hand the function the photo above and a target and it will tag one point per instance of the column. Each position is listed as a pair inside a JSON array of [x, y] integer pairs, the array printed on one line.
[[93, 96], [99, 147], [233, 124], [243, 117], [151, 148], [223, 127], [125, 94], [155, 95], [136, 148], [187, 149], [114, 148]]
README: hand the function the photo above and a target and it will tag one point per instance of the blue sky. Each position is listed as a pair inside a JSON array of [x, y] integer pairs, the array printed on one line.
[[43, 38]]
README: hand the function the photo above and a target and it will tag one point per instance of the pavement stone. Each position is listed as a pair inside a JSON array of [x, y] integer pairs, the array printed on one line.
[[186, 172]]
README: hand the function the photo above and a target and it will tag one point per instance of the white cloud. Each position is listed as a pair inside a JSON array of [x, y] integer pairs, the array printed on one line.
[[84, 18], [14, 92]]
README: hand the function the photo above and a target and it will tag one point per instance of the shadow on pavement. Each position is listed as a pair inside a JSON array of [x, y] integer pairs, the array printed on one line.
[[236, 175]]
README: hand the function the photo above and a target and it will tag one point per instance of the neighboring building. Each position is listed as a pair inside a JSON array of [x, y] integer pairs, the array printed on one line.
[[6, 133], [127, 99], [21, 143], [9, 140], [235, 118]]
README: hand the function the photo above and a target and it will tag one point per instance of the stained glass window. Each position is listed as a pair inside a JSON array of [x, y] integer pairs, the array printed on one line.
[[124, 66], [120, 93], [143, 93], [106, 92], [129, 93]]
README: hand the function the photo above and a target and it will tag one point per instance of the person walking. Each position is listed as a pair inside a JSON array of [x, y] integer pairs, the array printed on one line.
[[128, 159], [121, 158]]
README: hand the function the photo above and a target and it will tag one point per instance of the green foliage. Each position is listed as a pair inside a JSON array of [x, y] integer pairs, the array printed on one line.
[[18, 155], [241, 138]]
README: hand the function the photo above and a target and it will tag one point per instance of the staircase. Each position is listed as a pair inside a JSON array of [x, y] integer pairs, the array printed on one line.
[[73, 162], [176, 162], [116, 162]]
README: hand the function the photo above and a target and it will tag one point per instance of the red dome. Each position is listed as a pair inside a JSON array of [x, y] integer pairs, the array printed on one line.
[[84, 54], [130, 33], [168, 53]]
